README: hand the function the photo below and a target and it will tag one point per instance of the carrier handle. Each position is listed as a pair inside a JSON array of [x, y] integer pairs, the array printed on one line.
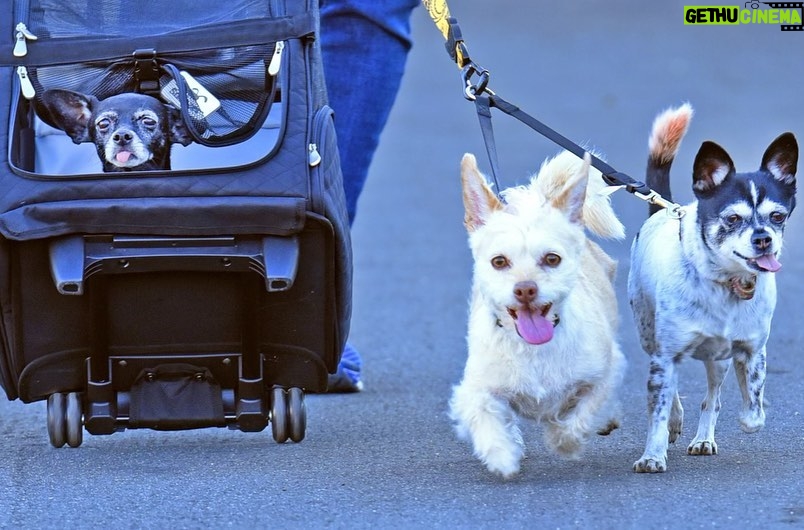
[[74, 259]]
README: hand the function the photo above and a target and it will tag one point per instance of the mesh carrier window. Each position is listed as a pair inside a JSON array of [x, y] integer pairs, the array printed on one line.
[[59, 18], [225, 94]]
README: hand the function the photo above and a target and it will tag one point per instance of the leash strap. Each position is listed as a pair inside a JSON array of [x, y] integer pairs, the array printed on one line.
[[476, 86], [448, 26], [483, 106], [611, 176]]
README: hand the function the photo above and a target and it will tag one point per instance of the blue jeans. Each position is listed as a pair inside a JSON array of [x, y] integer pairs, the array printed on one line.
[[364, 44]]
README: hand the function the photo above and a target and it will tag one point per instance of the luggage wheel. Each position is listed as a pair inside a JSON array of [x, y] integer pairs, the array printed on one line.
[[288, 414], [64, 419]]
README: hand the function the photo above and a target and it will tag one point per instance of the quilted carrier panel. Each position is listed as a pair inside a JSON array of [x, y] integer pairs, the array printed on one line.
[[222, 267]]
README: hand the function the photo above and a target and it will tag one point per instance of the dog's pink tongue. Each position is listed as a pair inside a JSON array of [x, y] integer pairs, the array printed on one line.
[[123, 156], [769, 263], [533, 327]]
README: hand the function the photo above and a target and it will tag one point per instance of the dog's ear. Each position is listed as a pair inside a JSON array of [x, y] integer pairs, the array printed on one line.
[[711, 167], [479, 200], [71, 112], [781, 158], [572, 197], [179, 134]]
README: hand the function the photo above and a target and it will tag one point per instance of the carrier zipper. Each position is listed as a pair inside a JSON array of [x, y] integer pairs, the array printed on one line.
[[276, 59], [313, 156], [26, 86], [22, 37]]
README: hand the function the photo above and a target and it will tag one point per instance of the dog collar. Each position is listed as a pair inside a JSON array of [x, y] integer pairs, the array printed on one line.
[[742, 288]]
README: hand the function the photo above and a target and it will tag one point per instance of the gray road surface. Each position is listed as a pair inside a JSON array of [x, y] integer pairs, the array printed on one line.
[[387, 458]]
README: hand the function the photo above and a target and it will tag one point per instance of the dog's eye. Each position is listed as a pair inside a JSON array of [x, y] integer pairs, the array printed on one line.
[[778, 217], [104, 124], [551, 259], [148, 121], [733, 219], [500, 262]]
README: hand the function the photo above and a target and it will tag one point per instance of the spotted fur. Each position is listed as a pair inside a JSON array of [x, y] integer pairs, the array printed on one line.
[[704, 286]]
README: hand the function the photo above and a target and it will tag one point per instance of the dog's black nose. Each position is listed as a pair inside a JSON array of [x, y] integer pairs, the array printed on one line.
[[123, 136], [761, 240], [525, 292]]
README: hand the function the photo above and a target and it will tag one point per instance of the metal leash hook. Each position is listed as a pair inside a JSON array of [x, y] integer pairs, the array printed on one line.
[[473, 89], [676, 211], [458, 52]]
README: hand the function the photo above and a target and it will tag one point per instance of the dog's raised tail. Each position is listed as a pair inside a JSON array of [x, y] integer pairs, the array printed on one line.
[[669, 128]]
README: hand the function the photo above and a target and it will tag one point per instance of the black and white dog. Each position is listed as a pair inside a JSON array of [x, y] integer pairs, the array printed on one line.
[[704, 285], [131, 131]]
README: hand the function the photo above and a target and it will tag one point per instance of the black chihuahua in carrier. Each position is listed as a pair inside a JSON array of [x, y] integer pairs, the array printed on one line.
[[131, 131]]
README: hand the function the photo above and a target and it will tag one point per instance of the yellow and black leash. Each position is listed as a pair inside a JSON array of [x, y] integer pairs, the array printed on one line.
[[456, 48], [476, 79]]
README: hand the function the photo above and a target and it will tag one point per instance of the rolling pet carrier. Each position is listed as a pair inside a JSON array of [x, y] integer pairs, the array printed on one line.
[[213, 293]]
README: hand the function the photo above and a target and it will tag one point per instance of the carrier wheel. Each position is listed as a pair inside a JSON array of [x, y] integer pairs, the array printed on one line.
[[297, 414], [56, 418], [73, 425], [279, 415]]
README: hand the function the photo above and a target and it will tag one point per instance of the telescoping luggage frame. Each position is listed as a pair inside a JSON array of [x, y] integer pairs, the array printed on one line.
[[216, 293]]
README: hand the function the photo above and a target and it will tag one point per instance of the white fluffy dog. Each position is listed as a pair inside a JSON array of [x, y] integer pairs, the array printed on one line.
[[543, 316]]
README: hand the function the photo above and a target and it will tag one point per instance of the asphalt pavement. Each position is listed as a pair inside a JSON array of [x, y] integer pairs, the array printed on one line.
[[598, 72]]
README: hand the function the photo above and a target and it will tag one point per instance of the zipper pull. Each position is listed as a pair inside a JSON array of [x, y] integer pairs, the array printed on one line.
[[313, 157], [25, 83], [276, 59], [22, 36]]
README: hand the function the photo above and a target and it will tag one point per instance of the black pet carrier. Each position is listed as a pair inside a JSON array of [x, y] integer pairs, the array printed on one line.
[[215, 292]]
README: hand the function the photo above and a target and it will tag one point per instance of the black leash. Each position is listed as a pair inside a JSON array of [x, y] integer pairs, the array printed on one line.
[[476, 89], [611, 176]]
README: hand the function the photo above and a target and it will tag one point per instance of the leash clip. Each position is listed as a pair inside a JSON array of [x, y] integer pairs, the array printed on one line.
[[456, 47], [673, 210], [473, 89], [146, 71]]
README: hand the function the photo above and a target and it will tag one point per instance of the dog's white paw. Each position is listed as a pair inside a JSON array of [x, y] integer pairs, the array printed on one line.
[[651, 464], [752, 421], [702, 447], [566, 439], [612, 425], [503, 463], [570, 447]]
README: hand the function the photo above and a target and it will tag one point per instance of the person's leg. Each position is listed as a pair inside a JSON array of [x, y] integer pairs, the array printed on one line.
[[364, 45]]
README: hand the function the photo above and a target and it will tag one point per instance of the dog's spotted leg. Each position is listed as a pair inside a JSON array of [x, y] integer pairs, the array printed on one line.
[[750, 371], [491, 424], [704, 441], [661, 394], [674, 426]]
